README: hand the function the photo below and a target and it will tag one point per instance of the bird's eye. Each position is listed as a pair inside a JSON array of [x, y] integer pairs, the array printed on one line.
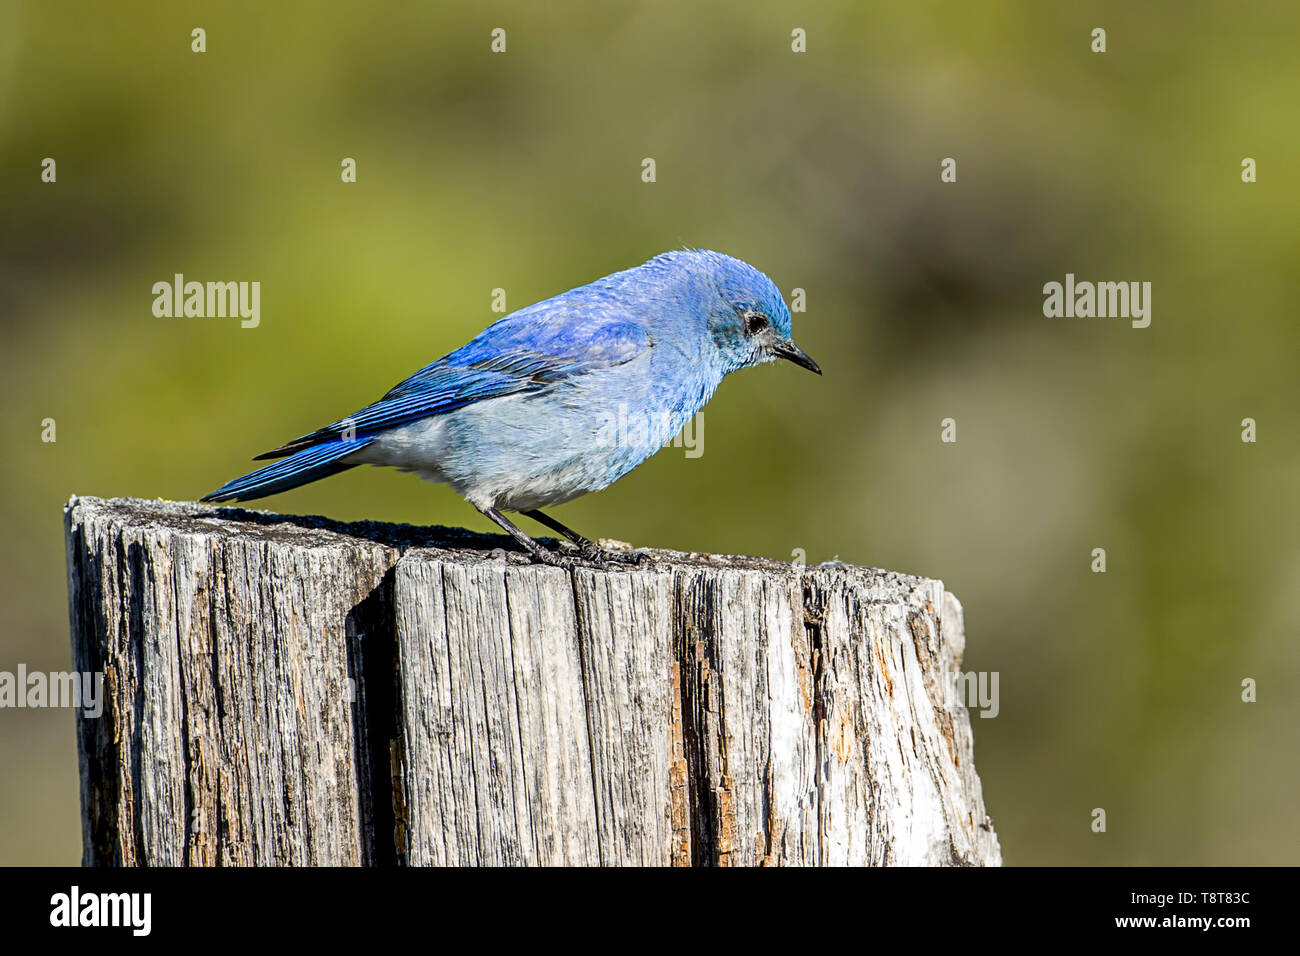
[[755, 322]]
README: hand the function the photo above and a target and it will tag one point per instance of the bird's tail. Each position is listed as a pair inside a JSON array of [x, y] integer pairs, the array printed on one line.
[[310, 464]]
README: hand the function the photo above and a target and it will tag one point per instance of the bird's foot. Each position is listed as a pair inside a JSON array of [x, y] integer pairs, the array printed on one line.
[[607, 557], [567, 560], [631, 559], [570, 561], [594, 557]]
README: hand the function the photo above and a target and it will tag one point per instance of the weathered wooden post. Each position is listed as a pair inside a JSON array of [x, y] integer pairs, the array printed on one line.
[[287, 690]]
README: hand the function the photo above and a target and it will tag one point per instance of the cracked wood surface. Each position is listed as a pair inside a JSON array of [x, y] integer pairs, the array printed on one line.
[[292, 690]]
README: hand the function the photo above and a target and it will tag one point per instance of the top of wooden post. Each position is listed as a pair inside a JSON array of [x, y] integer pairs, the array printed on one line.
[[286, 689]]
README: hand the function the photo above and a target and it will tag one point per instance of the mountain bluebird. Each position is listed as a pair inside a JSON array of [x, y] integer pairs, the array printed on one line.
[[522, 417]]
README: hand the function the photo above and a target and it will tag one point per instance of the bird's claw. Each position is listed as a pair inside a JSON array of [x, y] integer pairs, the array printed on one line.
[[571, 561], [603, 556], [638, 559], [595, 558]]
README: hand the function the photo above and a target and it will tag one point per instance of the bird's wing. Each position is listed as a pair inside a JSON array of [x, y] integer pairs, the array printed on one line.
[[530, 351]]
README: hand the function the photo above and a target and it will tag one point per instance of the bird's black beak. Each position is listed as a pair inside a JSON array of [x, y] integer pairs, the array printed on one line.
[[792, 353]]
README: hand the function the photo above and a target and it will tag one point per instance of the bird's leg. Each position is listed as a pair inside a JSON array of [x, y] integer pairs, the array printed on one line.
[[587, 548], [542, 554]]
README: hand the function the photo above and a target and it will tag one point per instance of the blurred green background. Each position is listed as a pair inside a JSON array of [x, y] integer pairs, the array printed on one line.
[[523, 171]]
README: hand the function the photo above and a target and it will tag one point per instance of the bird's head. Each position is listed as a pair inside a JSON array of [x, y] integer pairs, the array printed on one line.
[[750, 323]]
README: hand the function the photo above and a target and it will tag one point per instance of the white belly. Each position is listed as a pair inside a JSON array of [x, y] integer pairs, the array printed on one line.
[[520, 453]]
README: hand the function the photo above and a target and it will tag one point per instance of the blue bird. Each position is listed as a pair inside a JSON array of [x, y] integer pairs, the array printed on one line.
[[522, 416]]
